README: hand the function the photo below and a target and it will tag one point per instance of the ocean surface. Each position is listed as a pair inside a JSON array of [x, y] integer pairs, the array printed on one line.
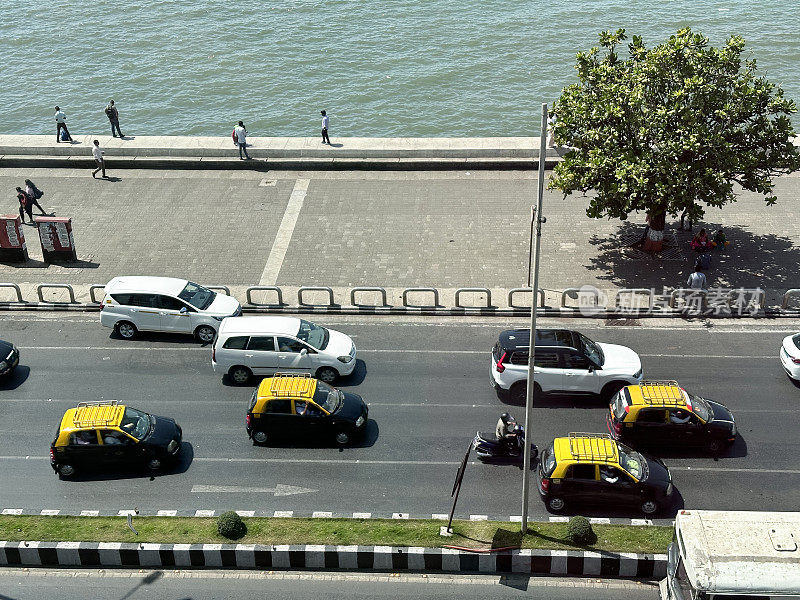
[[379, 67]]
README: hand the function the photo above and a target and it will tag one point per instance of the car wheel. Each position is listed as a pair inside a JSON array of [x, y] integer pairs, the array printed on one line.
[[260, 437], [649, 507], [327, 374], [342, 438], [714, 446], [518, 393], [154, 464], [66, 470], [126, 330], [205, 333], [611, 388], [556, 504], [240, 375]]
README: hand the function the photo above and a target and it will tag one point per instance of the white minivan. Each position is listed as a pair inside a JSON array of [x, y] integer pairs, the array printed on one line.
[[134, 304], [248, 346]]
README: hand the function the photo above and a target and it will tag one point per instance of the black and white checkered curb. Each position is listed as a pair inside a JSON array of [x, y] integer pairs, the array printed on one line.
[[315, 515], [361, 558]]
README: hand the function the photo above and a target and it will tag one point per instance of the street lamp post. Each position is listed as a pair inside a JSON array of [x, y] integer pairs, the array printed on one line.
[[537, 220]]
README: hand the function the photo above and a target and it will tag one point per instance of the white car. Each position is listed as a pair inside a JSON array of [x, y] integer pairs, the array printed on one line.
[[247, 346], [567, 362], [790, 356], [134, 304]]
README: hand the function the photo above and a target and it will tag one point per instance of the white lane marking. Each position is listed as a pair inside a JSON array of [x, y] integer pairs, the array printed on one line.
[[321, 514], [149, 348], [90, 513], [284, 234], [479, 517], [204, 513], [49, 513], [167, 513], [127, 511], [283, 513], [400, 515], [11, 511], [362, 515], [246, 513], [278, 490]]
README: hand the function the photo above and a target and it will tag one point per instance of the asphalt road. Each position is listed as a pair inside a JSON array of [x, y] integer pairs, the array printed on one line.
[[427, 385], [17, 584]]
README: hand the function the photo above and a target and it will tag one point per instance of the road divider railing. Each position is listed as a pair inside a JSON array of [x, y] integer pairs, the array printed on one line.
[[585, 301]]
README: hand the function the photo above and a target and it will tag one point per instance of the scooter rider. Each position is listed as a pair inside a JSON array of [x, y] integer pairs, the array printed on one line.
[[507, 432]]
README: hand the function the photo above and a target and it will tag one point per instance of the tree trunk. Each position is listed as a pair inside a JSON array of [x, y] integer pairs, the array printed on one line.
[[655, 235]]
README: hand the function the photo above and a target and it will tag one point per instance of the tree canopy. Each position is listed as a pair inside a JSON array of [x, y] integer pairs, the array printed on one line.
[[670, 128]]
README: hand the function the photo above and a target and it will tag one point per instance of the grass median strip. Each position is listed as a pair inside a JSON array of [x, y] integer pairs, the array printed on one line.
[[342, 532]]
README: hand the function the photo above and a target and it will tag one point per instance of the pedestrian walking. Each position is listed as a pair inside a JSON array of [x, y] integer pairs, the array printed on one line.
[[33, 194], [61, 123], [240, 138], [24, 205], [98, 158], [325, 138], [697, 280], [551, 122], [113, 116]]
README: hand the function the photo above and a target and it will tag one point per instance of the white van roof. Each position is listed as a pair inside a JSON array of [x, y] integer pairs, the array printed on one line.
[[146, 284], [741, 551], [261, 325]]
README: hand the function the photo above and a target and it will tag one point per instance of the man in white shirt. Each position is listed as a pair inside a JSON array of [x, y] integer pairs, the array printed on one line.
[[325, 138], [697, 280], [61, 123], [241, 140], [98, 158]]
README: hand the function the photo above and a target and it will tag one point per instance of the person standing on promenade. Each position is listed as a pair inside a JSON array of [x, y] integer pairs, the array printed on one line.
[[325, 138], [61, 123], [113, 115], [24, 205], [33, 194], [241, 140], [98, 158], [697, 280]]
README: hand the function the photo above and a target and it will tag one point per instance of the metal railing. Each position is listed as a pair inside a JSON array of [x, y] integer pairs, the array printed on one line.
[[434, 291], [380, 290], [92, 288], [793, 293], [62, 286], [478, 290], [14, 287], [329, 291], [264, 288], [521, 290]]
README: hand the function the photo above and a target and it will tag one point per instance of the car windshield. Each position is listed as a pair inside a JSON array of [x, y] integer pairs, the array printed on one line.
[[135, 422], [327, 397], [592, 351], [619, 403], [313, 335], [633, 462], [701, 408], [548, 461], [198, 296]]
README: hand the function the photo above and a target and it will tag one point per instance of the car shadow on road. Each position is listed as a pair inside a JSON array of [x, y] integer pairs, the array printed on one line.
[[184, 461], [152, 336], [370, 436], [355, 378], [608, 511], [736, 450], [561, 401], [16, 378]]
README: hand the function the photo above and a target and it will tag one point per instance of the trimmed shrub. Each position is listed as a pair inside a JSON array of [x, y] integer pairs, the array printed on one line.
[[580, 531], [231, 526]]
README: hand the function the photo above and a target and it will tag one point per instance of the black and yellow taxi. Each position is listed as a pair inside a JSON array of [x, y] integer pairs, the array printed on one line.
[[662, 413], [108, 434], [296, 406], [592, 468]]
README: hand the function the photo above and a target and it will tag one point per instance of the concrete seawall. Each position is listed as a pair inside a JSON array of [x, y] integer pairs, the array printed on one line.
[[277, 153]]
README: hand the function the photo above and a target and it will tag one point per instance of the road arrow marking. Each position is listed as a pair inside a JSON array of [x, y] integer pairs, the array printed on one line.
[[278, 490]]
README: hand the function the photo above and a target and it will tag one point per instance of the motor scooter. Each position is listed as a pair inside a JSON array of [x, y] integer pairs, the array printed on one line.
[[508, 448]]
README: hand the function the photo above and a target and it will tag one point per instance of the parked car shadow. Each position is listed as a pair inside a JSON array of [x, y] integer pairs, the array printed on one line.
[[561, 401], [736, 450], [355, 378], [16, 378], [609, 511], [371, 434], [181, 465]]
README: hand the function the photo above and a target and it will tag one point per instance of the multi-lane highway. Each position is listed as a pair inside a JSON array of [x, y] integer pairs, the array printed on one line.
[[427, 384], [113, 584]]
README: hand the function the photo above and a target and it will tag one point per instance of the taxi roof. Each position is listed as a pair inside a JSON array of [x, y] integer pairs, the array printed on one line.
[[146, 284], [586, 447], [92, 414], [657, 393], [287, 385], [256, 325]]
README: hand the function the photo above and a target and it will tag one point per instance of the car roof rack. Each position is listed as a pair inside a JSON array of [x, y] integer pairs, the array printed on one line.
[[662, 393], [291, 384], [592, 446], [101, 412]]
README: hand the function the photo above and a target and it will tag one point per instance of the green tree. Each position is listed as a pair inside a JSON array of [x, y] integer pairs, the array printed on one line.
[[670, 129]]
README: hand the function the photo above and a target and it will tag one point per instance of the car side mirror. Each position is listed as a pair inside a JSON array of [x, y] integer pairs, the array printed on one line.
[[303, 352], [184, 310]]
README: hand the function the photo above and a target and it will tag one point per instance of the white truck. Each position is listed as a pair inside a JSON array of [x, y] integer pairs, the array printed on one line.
[[717, 555]]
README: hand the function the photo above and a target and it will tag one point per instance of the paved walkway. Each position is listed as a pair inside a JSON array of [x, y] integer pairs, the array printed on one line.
[[360, 228]]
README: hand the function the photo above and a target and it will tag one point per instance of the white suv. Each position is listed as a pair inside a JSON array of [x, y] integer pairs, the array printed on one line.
[[248, 346], [566, 362], [134, 304]]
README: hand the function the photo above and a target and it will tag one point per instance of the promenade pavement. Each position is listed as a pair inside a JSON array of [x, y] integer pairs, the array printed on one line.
[[445, 229]]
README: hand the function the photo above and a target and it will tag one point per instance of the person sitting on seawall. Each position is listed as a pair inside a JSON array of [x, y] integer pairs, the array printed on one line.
[[700, 242], [720, 241]]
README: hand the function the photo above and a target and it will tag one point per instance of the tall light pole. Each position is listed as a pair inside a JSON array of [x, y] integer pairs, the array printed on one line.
[[536, 223]]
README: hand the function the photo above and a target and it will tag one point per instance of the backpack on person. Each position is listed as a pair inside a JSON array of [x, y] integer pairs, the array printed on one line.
[[37, 193], [64, 135], [235, 139], [703, 261]]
